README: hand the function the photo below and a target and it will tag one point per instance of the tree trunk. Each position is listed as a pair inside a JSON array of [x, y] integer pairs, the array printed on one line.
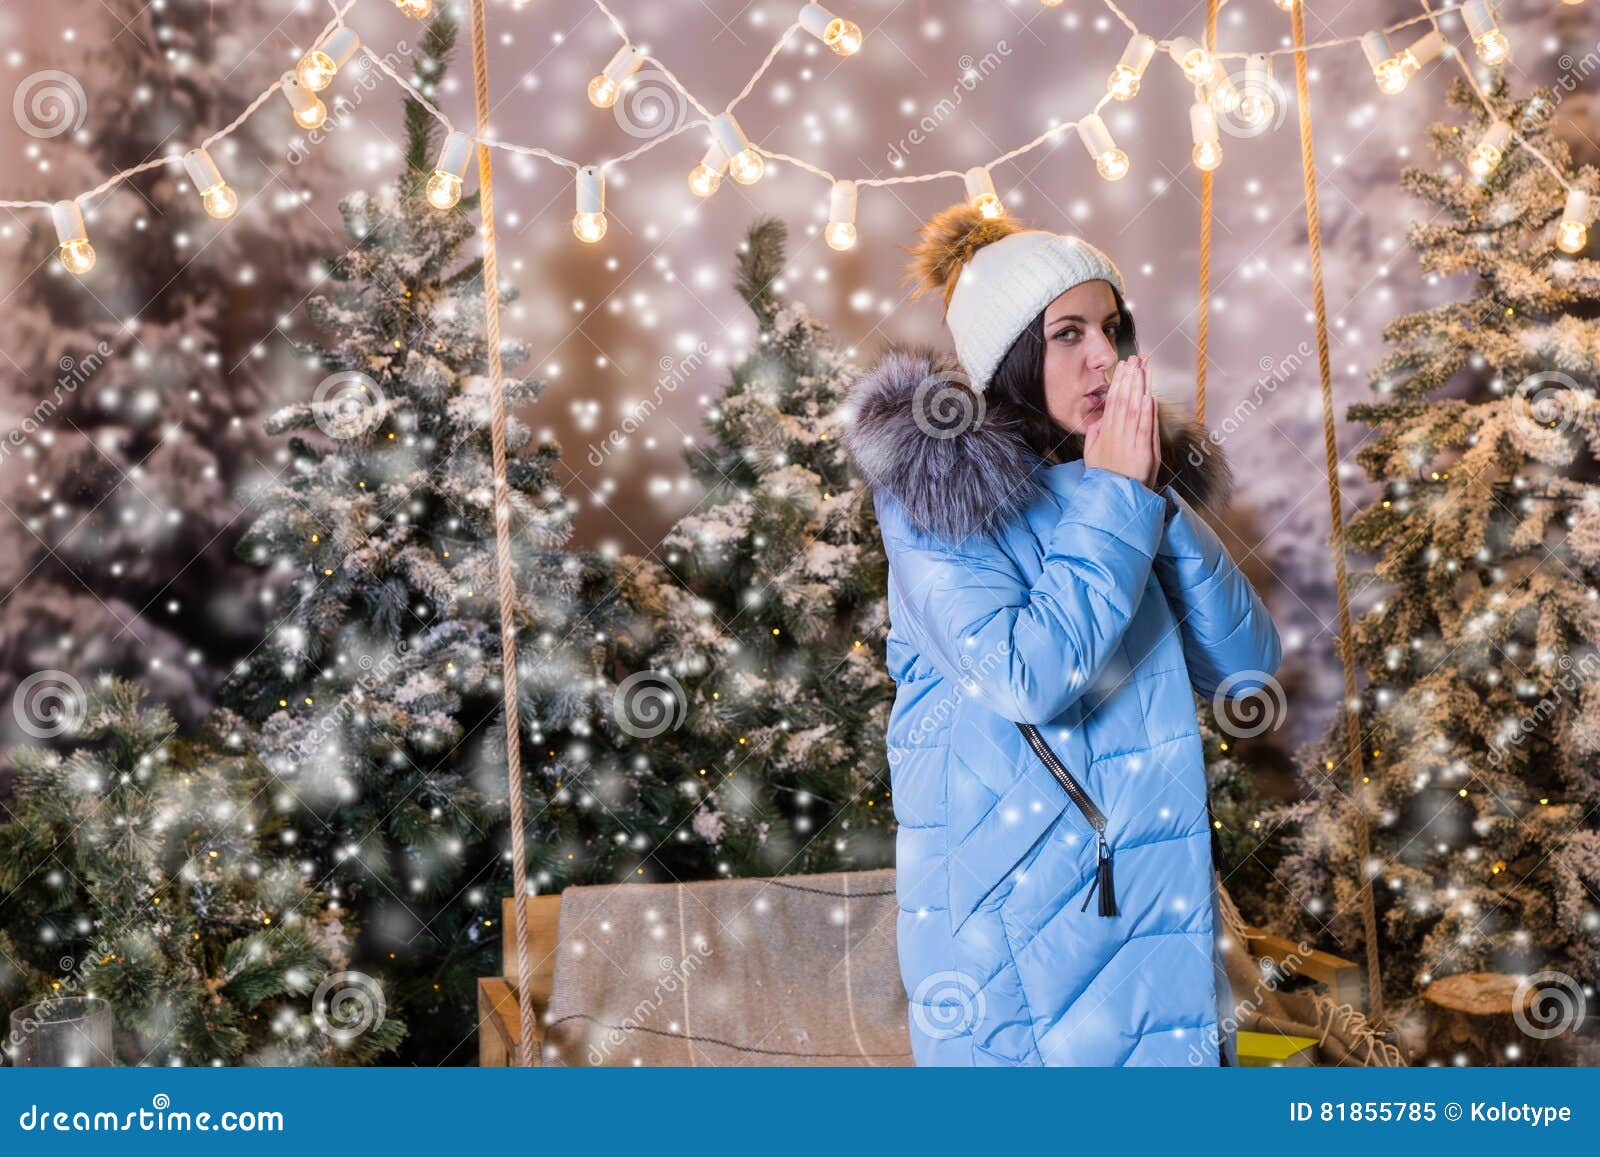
[[1472, 1015]]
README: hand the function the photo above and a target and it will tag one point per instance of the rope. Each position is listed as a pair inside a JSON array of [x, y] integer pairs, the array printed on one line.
[[1347, 656], [502, 540], [1206, 180]]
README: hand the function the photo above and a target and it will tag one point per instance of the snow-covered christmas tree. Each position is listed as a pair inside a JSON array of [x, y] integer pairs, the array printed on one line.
[[150, 871], [765, 616], [1480, 721], [136, 388], [378, 688]]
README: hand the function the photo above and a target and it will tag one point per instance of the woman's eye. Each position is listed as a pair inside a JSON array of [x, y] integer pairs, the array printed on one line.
[[1070, 332]]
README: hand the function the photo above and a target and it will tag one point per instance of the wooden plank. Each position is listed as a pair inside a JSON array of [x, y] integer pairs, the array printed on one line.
[[500, 1021], [497, 1022], [1343, 977], [544, 914]]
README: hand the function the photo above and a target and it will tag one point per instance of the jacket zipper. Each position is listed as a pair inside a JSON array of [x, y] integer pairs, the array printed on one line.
[[1091, 812]]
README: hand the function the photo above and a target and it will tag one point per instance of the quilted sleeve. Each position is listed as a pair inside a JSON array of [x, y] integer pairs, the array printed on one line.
[[1027, 652], [1228, 635]]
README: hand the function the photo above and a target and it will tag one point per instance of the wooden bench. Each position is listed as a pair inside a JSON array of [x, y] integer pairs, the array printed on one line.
[[499, 1024], [1343, 977], [499, 1027]]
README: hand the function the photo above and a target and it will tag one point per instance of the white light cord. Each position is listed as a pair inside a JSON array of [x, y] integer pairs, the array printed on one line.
[[341, 8]]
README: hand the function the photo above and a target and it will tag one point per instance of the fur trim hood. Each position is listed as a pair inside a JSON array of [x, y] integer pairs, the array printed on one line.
[[916, 429]]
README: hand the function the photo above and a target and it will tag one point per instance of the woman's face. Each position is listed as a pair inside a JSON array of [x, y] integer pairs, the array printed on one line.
[[1081, 328]]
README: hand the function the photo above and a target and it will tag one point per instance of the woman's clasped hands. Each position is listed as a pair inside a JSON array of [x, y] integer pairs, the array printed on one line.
[[1127, 436]]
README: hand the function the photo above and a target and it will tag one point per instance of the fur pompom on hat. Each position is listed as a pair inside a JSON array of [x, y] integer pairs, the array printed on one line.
[[996, 276]]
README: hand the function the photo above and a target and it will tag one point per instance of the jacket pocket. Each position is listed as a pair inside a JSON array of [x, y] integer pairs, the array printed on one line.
[[984, 848]]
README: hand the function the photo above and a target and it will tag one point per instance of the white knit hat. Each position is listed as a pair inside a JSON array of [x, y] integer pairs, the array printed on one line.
[[1002, 287]]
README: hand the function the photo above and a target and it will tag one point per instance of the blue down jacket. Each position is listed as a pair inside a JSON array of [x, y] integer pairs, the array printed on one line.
[[1080, 601]]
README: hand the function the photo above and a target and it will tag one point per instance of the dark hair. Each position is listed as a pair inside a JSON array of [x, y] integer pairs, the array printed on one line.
[[1019, 381]]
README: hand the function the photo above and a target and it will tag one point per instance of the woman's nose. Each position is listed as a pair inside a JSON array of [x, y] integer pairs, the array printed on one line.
[[1102, 353]]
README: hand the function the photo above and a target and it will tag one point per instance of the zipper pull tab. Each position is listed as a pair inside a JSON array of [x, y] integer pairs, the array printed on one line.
[[1093, 884], [1108, 895]]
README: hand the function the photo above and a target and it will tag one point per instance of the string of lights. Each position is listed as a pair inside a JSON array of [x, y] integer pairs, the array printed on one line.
[[1217, 93]]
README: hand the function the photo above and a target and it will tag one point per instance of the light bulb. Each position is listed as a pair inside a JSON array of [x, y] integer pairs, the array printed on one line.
[[1257, 105], [1487, 153], [1224, 94], [1493, 47], [416, 9], [745, 164], [841, 35], [606, 85], [1195, 61], [706, 177], [444, 190], [1123, 83], [315, 70], [1491, 43], [220, 202], [77, 255], [1573, 232], [1207, 154], [1392, 77], [981, 194], [445, 185], [216, 198], [747, 167], [1109, 161], [1112, 164], [309, 111], [1387, 68], [841, 231], [589, 227], [589, 222]]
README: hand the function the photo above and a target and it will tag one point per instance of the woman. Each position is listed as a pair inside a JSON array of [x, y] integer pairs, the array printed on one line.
[[1047, 567]]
